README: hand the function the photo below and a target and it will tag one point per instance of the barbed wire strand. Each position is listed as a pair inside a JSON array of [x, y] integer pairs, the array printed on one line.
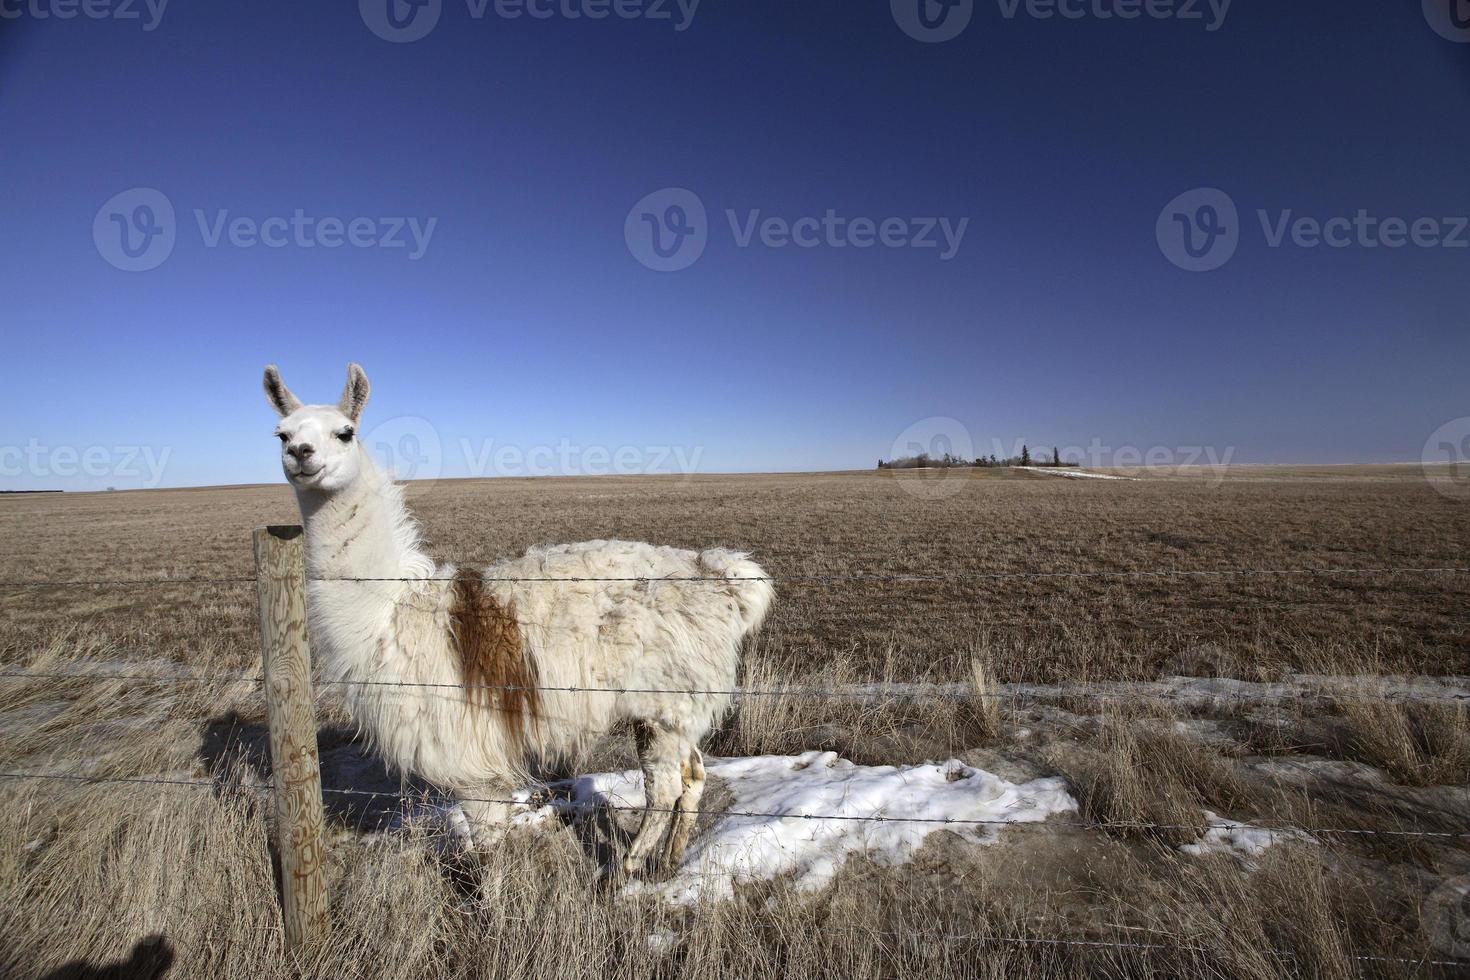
[[1015, 940], [955, 690], [541, 800], [794, 578]]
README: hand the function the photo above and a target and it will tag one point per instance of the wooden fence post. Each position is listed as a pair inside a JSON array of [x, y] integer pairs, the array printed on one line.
[[281, 590]]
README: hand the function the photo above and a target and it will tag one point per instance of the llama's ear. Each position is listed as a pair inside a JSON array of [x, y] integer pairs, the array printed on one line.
[[278, 394], [355, 395]]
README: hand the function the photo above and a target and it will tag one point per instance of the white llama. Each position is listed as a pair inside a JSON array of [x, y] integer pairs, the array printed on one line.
[[501, 642]]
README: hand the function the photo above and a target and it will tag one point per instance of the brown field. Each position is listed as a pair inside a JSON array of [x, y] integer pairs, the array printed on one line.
[[988, 578]]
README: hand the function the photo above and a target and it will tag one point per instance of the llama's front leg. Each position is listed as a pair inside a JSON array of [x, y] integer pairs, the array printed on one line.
[[659, 753], [686, 811], [487, 815]]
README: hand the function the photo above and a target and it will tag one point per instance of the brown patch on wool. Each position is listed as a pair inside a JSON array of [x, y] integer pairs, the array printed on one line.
[[494, 666]]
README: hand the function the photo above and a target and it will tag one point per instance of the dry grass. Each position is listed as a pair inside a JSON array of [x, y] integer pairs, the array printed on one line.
[[1144, 780], [87, 871]]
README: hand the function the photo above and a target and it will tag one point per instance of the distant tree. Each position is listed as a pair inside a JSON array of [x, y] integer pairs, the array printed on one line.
[[1056, 456], [1025, 455], [993, 460]]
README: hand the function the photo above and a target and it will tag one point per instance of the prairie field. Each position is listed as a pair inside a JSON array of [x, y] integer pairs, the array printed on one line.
[[1282, 649]]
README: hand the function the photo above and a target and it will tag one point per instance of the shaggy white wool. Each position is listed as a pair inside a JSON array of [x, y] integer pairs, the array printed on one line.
[[608, 631], [646, 635], [675, 623]]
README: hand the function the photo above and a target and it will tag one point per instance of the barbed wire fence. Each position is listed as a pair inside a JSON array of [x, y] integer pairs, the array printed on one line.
[[1134, 691]]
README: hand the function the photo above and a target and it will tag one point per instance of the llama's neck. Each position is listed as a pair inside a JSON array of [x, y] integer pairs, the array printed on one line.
[[362, 531]]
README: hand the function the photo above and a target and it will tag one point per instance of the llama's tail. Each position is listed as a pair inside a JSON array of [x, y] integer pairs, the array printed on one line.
[[749, 583]]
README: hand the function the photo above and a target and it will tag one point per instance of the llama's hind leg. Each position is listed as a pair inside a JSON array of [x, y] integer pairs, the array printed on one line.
[[660, 752], [686, 811]]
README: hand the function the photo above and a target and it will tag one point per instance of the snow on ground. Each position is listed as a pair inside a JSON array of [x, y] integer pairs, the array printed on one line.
[[1239, 840], [1064, 471], [746, 848]]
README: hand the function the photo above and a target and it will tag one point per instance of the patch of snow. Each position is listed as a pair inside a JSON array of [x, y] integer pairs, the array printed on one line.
[[1240, 840], [821, 797], [1064, 471]]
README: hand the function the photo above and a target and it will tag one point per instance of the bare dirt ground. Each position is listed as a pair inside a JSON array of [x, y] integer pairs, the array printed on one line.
[[1047, 620]]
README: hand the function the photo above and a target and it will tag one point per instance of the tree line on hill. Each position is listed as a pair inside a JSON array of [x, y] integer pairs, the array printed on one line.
[[926, 461]]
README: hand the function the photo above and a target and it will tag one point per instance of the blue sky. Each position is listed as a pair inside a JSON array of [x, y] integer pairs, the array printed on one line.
[[528, 319]]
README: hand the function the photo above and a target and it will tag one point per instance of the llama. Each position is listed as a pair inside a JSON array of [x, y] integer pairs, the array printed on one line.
[[502, 644]]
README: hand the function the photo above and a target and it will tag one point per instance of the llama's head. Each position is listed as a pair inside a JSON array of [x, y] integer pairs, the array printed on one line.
[[319, 447]]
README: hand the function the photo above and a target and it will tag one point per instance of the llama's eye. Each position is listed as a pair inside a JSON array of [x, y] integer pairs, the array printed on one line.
[[282, 436], [345, 435]]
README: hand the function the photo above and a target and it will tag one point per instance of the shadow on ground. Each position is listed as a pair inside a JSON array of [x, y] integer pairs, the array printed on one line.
[[350, 772], [151, 959]]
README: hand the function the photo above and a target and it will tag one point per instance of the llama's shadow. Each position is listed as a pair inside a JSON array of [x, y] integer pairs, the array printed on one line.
[[358, 792]]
